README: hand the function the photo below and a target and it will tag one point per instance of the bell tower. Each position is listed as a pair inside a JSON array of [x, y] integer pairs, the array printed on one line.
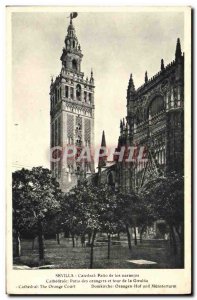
[[71, 56], [72, 113]]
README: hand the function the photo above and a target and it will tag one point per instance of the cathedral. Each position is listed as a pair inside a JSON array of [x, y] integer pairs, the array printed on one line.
[[155, 121], [72, 112]]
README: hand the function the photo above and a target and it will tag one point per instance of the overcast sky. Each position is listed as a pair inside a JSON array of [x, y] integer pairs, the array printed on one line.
[[113, 44]]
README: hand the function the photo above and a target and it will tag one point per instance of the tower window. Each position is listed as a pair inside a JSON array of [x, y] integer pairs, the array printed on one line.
[[68, 43], [78, 92], [73, 44], [66, 91], [78, 141], [90, 98], [78, 127], [71, 93], [74, 65], [85, 96]]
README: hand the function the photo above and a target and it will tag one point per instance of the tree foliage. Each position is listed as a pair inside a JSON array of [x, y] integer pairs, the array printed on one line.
[[36, 198], [163, 198]]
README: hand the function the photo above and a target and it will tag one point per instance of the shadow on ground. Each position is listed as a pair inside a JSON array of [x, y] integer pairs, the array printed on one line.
[[64, 256]]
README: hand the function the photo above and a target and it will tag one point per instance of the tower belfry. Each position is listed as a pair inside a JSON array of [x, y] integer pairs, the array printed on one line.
[[72, 112]]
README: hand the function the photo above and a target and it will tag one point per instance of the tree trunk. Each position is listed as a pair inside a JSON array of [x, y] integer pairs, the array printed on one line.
[[129, 237], [173, 241], [109, 246], [141, 233], [89, 237], [18, 244], [73, 240], [92, 250], [40, 241], [58, 238], [135, 235], [118, 237]]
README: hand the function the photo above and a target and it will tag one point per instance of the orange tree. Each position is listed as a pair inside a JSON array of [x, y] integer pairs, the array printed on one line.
[[164, 198], [88, 209], [36, 200], [127, 212]]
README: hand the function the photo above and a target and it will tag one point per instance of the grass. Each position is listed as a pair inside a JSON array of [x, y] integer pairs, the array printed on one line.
[[64, 256]]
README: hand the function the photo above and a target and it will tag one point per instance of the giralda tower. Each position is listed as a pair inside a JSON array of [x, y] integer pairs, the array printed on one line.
[[72, 112]]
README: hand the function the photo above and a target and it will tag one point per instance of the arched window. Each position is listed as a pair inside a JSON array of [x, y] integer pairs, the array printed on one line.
[[156, 106], [90, 98], [66, 91], [71, 93], [78, 92], [67, 44], [85, 96], [139, 116], [74, 64], [78, 141], [110, 179]]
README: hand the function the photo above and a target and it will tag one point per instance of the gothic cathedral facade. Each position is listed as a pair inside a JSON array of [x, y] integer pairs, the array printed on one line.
[[72, 113], [155, 121]]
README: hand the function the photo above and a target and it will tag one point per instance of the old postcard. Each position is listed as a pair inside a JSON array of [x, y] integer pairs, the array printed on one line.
[[99, 150]]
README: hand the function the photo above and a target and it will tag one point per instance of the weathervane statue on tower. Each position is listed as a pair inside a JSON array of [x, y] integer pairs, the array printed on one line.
[[72, 16]]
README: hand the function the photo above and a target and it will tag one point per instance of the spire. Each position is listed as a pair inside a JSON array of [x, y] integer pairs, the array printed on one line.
[[130, 90], [71, 56], [126, 129], [71, 30], [178, 49], [102, 159], [162, 64], [91, 77], [103, 142], [146, 77], [121, 127], [131, 85]]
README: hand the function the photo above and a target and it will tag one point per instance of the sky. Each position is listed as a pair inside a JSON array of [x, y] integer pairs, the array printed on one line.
[[114, 45]]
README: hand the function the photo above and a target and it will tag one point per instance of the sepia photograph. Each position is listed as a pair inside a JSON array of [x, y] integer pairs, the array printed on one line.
[[100, 144]]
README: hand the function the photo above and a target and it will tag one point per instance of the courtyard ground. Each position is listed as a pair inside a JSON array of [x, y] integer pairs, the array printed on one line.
[[64, 256]]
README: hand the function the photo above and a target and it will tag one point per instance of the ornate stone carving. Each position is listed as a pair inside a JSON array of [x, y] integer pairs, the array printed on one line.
[[70, 126], [87, 130]]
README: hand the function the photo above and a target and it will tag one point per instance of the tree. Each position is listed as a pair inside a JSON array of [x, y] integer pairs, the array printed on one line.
[[36, 198], [165, 198], [145, 213], [126, 212], [79, 212], [88, 209], [107, 212]]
